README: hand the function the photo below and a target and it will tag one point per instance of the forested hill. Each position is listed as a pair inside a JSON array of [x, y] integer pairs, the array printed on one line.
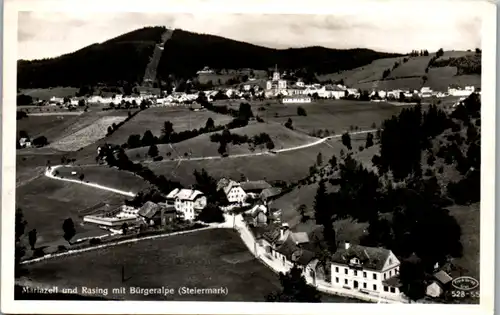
[[123, 58], [187, 52]]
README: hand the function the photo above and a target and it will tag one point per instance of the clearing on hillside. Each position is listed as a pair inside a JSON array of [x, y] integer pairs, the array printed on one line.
[[48, 93], [203, 259], [153, 118], [106, 176], [47, 202], [408, 75], [87, 135], [202, 146]]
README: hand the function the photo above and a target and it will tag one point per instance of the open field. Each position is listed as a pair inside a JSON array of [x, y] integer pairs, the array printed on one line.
[[469, 217], [287, 166], [43, 125], [201, 146], [87, 135], [333, 115], [46, 203], [57, 127], [407, 76], [204, 259], [153, 118], [106, 176], [46, 94]]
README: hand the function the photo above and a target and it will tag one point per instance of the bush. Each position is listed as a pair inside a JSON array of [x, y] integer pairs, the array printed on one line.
[[61, 248]]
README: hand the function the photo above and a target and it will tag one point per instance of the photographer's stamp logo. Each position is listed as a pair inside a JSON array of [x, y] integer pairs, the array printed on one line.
[[465, 283]]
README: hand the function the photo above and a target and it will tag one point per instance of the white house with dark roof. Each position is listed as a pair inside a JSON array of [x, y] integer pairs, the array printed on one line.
[[287, 247], [370, 270], [232, 189], [187, 201]]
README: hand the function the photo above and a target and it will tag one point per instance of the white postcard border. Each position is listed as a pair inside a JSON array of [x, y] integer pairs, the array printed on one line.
[[9, 305]]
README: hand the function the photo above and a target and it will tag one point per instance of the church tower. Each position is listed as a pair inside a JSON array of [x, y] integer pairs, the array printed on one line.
[[276, 74]]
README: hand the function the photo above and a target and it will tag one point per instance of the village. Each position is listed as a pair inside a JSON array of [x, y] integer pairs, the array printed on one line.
[[367, 273], [287, 91], [282, 175]]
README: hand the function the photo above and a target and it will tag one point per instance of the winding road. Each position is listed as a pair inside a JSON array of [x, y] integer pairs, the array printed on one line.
[[299, 147]]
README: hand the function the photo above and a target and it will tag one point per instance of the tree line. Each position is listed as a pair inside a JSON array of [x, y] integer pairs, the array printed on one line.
[[123, 58], [193, 51]]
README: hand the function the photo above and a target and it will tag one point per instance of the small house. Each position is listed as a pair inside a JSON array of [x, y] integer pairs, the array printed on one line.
[[439, 284]]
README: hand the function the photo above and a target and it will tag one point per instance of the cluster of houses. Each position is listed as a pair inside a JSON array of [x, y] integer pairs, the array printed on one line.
[[370, 270], [289, 92], [185, 204]]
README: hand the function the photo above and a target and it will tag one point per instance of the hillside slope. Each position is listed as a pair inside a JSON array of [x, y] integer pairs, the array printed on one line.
[[123, 58], [191, 52], [453, 68]]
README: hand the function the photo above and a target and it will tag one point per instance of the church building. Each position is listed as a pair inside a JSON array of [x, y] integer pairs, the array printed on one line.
[[276, 85]]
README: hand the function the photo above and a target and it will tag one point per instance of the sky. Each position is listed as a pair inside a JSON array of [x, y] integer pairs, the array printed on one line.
[[44, 34]]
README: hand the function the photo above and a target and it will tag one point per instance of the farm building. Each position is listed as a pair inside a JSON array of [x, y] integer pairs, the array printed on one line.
[[187, 201], [297, 99], [232, 189]]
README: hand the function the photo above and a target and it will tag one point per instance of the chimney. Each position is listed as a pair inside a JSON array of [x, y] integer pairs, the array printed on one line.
[[347, 245]]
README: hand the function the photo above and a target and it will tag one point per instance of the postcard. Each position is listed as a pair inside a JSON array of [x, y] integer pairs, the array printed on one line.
[[211, 157]]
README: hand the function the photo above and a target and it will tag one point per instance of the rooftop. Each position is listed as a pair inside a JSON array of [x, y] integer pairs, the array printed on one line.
[[255, 185], [442, 277], [149, 209], [184, 194], [372, 258]]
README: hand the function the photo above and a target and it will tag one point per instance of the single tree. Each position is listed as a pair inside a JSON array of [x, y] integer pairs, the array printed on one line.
[[148, 138], [32, 238], [69, 230], [81, 177], [319, 159], [369, 140], [209, 124], [346, 140], [40, 141], [294, 289], [153, 151], [301, 111], [211, 214], [270, 145], [333, 161], [167, 130], [412, 276]]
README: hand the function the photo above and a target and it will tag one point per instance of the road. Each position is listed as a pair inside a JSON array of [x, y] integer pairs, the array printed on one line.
[[49, 172], [299, 147]]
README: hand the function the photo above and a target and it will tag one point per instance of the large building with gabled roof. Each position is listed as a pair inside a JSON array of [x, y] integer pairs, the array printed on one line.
[[371, 270]]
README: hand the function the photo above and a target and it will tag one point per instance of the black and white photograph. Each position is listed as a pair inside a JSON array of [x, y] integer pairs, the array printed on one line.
[[329, 156]]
